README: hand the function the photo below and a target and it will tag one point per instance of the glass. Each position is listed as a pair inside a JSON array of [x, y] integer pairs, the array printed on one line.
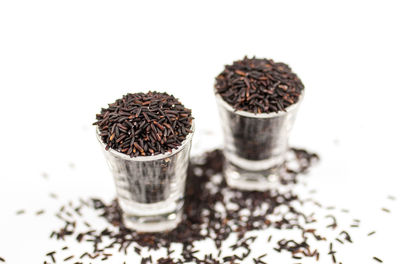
[[150, 189], [254, 145]]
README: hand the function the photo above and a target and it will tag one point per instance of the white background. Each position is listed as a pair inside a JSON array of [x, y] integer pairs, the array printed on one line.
[[61, 61]]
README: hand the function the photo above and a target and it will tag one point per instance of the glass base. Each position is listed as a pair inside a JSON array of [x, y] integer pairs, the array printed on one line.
[[259, 180], [155, 223]]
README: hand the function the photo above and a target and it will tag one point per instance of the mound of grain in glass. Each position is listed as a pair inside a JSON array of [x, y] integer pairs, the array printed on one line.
[[147, 139], [259, 85], [144, 124], [257, 101]]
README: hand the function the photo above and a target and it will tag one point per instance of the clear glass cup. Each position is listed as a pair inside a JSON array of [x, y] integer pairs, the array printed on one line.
[[254, 145], [150, 189]]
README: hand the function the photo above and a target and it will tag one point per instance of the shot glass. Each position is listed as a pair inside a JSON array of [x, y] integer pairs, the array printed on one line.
[[254, 145], [150, 189]]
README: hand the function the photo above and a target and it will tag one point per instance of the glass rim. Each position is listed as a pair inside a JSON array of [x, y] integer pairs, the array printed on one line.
[[228, 107], [152, 157]]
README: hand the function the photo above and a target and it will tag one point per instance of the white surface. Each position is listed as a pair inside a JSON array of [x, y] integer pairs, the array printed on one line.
[[60, 61]]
